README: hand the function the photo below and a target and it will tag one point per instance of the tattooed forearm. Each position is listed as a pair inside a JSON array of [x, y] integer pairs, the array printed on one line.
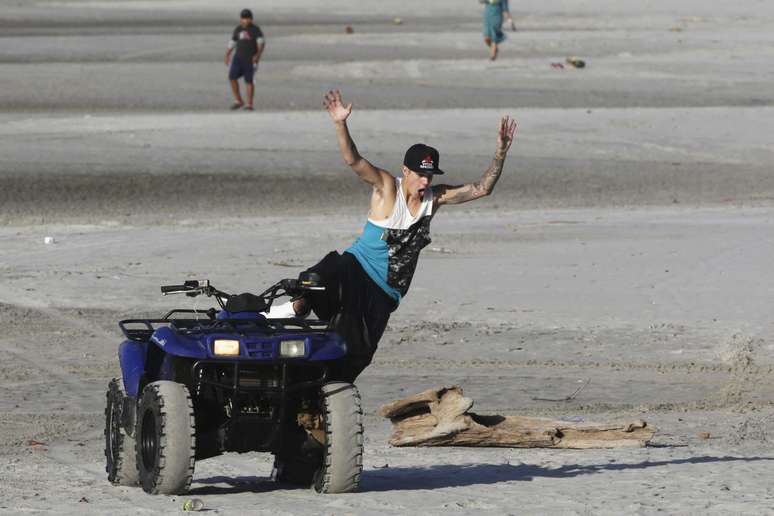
[[486, 184], [471, 191]]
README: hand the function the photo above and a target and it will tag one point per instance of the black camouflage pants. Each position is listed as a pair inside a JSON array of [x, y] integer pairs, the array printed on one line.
[[358, 307]]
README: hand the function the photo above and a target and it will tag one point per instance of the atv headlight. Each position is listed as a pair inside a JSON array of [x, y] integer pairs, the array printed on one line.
[[292, 348], [225, 347]]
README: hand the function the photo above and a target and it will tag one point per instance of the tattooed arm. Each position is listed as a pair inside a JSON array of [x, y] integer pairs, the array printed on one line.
[[446, 194]]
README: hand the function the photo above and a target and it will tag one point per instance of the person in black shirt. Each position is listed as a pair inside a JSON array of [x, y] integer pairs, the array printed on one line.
[[247, 40]]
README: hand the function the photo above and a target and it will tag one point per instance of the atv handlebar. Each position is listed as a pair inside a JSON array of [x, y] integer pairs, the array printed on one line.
[[173, 289], [286, 287], [192, 288]]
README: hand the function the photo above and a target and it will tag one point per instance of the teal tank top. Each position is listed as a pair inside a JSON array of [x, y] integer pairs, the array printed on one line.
[[389, 250]]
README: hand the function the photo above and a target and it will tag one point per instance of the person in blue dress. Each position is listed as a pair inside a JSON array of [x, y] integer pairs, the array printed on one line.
[[493, 21]]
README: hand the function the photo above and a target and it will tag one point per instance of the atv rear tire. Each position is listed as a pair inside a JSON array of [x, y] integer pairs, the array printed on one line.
[[120, 453], [343, 455], [166, 438]]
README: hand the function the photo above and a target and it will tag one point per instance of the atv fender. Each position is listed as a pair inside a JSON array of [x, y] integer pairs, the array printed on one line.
[[178, 345], [131, 356]]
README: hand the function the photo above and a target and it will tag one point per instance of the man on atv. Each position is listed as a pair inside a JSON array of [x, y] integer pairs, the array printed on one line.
[[366, 282]]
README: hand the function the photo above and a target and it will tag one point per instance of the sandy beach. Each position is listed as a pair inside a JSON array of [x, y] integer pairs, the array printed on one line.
[[626, 247]]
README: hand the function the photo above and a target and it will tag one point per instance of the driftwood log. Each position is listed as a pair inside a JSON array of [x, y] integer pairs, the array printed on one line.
[[440, 417]]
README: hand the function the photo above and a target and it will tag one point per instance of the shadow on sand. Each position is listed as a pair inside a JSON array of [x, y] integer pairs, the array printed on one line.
[[207, 486], [449, 475]]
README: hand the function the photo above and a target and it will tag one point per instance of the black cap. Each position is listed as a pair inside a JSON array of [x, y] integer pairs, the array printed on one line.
[[422, 159], [246, 13]]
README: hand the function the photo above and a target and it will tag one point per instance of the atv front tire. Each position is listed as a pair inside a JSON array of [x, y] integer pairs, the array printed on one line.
[[120, 453], [343, 455], [166, 438]]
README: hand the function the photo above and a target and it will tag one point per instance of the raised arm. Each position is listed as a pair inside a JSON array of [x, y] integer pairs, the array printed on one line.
[[446, 194], [372, 175]]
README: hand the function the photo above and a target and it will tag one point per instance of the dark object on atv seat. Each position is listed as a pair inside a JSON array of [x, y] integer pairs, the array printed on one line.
[[246, 303]]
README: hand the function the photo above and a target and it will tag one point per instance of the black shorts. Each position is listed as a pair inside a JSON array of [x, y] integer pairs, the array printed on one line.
[[241, 68], [358, 307]]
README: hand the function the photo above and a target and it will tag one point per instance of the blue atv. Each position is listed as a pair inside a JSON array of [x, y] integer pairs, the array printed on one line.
[[199, 383]]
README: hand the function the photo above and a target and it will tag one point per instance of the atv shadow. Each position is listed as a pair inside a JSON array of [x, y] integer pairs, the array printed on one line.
[[448, 475], [208, 486], [463, 475]]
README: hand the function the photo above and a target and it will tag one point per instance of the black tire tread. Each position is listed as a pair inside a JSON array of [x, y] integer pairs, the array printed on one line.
[[343, 457], [175, 467], [125, 469]]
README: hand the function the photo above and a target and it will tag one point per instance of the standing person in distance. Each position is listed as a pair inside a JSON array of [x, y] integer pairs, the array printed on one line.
[[247, 45], [493, 22]]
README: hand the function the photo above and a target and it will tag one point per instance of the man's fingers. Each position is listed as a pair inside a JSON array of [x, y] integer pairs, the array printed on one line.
[[506, 131], [330, 100], [507, 126], [334, 98]]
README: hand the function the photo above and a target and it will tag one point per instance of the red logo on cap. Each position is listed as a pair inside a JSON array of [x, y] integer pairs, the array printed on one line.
[[427, 162]]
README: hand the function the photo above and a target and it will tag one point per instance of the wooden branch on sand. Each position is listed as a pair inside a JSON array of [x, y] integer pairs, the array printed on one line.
[[440, 417]]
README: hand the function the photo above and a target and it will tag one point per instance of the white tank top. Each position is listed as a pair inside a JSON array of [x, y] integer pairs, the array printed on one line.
[[388, 249], [401, 217]]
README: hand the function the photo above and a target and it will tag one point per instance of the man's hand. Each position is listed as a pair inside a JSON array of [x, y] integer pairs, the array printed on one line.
[[225, 59], [505, 135], [336, 108], [372, 175], [445, 194]]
